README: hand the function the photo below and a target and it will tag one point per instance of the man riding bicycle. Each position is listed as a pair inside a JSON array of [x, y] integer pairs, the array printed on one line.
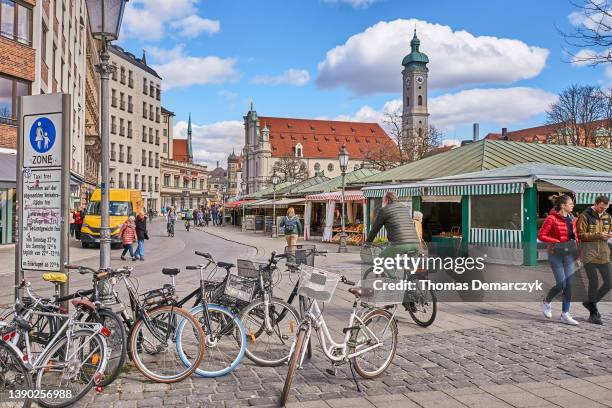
[[396, 217]]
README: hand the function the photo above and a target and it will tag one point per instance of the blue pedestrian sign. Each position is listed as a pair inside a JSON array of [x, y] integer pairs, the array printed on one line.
[[42, 135]]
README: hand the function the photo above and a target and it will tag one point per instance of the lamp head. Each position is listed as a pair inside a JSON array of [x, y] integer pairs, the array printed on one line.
[[105, 18]]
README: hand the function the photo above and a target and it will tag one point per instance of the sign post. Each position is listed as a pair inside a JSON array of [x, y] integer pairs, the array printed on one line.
[[43, 185]]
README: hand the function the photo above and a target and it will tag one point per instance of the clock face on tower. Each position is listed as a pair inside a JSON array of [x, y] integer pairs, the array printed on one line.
[[419, 79]]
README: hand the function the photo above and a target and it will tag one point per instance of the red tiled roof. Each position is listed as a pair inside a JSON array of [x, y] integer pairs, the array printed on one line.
[[180, 150], [324, 138], [538, 134]]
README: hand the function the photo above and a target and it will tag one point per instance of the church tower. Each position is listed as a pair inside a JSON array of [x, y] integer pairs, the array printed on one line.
[[415, 115]]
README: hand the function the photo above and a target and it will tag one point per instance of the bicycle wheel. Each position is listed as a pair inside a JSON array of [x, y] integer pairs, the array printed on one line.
[[294, 362], [153, 344], [14, 378], [117, 343], [373, 363], [422, 306], [269, 347], [225, 342], [68, 370]]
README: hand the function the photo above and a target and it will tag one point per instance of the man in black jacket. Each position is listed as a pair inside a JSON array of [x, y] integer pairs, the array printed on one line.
[[141, 235]]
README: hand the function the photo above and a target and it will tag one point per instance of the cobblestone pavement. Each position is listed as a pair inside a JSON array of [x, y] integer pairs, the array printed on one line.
[[456, 363]]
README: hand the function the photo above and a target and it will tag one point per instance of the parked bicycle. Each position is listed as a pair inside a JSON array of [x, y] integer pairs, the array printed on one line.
[[153, 340], [70, 363], [370, 336], [420, 303]]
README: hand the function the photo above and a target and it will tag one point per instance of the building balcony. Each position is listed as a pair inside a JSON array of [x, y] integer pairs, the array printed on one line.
[[121, 157], [130, 107], [122, 131], [129, 159], [114, 129], [113, 156]]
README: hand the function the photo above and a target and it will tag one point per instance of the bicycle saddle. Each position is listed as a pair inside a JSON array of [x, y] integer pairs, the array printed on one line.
[[361, 292], [170, 271], [225, 265], [55, 277]]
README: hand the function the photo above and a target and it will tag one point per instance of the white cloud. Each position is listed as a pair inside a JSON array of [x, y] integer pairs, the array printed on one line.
[[193, 26], [354, 3], [292, 76], [179, 70], [591, 18], [213, 142], [370, 61], [147, 20], [498, 105], [451, 142]]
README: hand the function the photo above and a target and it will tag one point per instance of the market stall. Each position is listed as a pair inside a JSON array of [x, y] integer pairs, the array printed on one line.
[[354, 216]]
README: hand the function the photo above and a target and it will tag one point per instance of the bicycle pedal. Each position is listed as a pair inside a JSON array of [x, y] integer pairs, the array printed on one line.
[[331, 371]]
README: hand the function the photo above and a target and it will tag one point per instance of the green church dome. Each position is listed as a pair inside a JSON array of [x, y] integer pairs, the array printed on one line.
[[415, 56]]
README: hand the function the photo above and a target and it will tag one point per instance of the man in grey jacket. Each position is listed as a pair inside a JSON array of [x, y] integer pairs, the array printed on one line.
[[401, 232]]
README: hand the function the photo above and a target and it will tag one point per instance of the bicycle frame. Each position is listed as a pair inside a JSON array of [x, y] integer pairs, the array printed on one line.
[[314, 319]]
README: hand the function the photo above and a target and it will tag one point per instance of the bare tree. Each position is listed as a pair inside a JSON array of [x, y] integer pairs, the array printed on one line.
[[408, 144], [605, 139], [592, 37], [290, 168], [576, 116]]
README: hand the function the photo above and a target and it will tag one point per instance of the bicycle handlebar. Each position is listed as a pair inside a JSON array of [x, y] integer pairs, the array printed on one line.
[[192, 267], [204, 254], [346, 281]]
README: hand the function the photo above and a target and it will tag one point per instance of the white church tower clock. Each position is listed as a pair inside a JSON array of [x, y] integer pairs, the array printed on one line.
[[415, 114]]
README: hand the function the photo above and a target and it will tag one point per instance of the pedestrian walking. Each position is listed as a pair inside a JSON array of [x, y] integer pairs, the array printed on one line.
[[78, 223], [559, 231], [171, 220], [292, 226], [207, 216], [200, 218], [72, 222], [594, 227], [141, 234], [221, 215], [128, 236], [214, 213]]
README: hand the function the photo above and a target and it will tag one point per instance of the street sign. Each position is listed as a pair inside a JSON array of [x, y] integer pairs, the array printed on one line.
[[43, 184]]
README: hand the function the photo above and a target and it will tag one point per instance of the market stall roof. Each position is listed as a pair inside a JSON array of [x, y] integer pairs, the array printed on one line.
[[336, 183], [267, 190], [512, 179], [336, 196], [236, 203], [492, 154], [301, 185], [270, 203]]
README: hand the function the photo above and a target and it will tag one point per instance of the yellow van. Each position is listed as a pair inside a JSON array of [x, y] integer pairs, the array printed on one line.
[[123, 203]]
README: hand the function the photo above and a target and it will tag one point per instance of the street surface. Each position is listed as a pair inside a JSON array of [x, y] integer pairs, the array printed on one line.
[[475, 354]]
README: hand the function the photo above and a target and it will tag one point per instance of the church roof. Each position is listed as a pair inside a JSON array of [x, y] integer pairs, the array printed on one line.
[[415, 55], [324, 138], [180, 150]]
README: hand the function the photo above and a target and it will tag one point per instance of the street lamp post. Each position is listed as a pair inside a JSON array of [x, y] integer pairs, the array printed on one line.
[[343, 158], [243, 220], [274, 183], [105, 21]]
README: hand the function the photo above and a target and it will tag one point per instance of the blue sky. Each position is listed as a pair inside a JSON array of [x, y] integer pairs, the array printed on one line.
[[493, 62]]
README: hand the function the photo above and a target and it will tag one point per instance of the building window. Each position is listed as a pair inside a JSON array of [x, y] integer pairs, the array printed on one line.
[[201, 184], [317, 166], [330, 167], [166, 180], [10, 91], [176, 181], [298, 150], [165, 148], [145, 87], [420, 100], [43, 44], [194, 184], [185, 183], [16, 21]]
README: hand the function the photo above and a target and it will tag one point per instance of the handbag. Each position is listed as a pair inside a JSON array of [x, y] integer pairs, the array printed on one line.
[[146, 235], [565, 248]]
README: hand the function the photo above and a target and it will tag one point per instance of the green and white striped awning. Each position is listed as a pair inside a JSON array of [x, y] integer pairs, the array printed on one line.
[[400, 191], [586, 190], [476, 189]]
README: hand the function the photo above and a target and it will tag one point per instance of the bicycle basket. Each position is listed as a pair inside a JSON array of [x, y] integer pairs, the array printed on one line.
[[249, 269], [386, 291], [303, 254], [316, 283], [240, 288]]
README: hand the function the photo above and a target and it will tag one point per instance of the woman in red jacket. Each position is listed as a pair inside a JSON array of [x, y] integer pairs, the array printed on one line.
[[559, 231], [128, 236]]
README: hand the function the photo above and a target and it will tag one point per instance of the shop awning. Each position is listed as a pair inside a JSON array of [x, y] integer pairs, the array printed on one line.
[[290, 201], [337, 196], [586, 190], [401, 191], [476, 189], [279, 203]]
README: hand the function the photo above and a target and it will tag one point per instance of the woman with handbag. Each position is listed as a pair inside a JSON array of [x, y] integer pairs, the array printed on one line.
[[141, 235], [559, 231]]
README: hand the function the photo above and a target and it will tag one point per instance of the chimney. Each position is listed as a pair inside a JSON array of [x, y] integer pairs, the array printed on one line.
[[475, 132], [217, 163], [504, 133]]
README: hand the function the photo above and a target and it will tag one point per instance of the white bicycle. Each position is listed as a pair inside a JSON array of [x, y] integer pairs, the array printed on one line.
[[370, 337]]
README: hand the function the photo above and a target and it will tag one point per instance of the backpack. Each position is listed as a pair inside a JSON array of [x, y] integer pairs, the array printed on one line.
[[290, 225]]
